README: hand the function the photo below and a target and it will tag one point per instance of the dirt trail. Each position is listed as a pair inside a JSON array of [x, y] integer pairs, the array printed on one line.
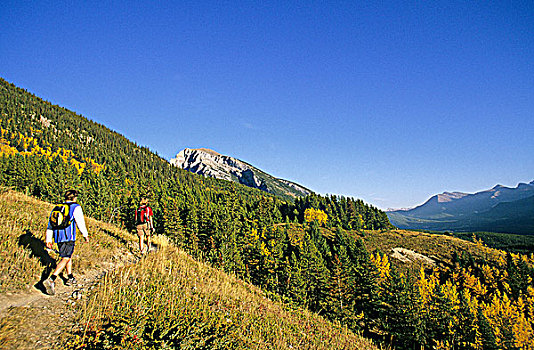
[[36, 320]]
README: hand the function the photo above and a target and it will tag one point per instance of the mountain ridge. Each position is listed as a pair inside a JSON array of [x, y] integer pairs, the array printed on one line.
[[458, 211], [207, 162]]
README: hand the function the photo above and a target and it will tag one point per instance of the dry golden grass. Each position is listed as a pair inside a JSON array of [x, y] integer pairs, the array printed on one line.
[[161, 241], [7, 333], [170, 300], [439, 247], [23, 223]]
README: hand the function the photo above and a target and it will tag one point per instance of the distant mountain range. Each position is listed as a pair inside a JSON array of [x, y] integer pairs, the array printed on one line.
[[210, 163], [500, 209]]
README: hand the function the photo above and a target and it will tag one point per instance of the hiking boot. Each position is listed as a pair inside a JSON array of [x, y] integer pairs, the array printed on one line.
[[49, 286], [71, 281]]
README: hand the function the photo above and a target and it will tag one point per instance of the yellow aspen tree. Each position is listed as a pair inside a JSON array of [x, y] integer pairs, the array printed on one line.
[[443, 345], [529, 301], [478, 241], [480, 289], [490, 279], [383, 267], [426, 286], [253, 237], [322, 217], [499, 313], [311, 214], [7, 150], [469, 281], [521, 327], [451, 294], [473, 306]]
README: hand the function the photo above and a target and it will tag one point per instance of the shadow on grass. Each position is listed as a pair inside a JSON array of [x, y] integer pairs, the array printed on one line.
[[39, 251], [115, 236]]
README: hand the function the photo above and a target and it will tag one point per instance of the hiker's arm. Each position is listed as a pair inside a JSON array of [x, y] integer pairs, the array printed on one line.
[[49, 235], [80, 222], [150, 220]]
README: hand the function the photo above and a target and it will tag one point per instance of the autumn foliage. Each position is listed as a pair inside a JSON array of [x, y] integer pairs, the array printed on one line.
[[312, 214], [472, 305]]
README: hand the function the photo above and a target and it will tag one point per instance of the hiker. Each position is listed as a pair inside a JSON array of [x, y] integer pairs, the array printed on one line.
[[62, 224], [145, 225]]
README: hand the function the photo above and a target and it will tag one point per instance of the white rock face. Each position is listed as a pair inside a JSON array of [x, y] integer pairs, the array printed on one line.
[[210, 163], [407, 256]]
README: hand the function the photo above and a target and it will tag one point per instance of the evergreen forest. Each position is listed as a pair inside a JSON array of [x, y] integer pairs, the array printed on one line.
[[309, 252]]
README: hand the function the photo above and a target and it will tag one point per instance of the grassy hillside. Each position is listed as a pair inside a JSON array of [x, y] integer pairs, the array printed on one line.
[[506, 242], [444, 249], [169, 300], [165, 300]]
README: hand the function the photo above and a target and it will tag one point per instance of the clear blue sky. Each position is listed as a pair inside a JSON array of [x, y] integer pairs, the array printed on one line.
[[390, 102]]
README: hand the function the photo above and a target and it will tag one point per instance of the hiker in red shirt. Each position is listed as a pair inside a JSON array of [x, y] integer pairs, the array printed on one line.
[[145, 225]]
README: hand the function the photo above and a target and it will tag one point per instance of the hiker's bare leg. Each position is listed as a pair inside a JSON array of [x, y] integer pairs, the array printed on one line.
[[62, 263], [69, 267], [141, 242], [149, 244]]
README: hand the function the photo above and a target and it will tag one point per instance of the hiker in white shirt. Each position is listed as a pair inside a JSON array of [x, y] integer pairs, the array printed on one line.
[[65, 237]]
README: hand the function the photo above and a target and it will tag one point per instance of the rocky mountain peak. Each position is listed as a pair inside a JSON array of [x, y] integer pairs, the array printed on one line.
[[207, 162]]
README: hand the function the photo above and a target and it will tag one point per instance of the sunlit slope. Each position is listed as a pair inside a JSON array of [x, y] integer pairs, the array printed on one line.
[[169, 300], [165, 299]]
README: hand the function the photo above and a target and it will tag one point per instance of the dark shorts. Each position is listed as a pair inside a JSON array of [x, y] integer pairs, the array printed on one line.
[[65, 249]]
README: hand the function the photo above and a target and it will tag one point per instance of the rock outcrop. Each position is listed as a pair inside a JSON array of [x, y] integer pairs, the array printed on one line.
[[207, 162]]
